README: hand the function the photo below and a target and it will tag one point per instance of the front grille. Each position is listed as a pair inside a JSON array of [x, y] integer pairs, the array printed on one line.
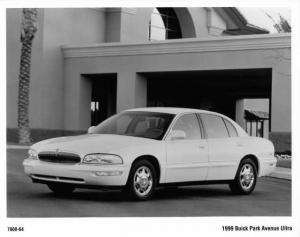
[[59, 157]]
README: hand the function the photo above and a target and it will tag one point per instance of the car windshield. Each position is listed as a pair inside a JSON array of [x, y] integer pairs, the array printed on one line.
[[138, 124]]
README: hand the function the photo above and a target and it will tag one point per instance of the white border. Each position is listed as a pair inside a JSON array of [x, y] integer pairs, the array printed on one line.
[[153, 226]]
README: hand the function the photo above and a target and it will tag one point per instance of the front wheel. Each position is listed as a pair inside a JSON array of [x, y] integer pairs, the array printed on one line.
[[245, 179], [141, 181], [61, 189]]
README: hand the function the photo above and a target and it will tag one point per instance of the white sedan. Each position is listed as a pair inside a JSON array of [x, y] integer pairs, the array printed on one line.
[[139, 150]]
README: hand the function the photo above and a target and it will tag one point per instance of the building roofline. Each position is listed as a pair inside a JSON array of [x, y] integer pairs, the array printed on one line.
[[243, 24], [256, 115], [192, 45]]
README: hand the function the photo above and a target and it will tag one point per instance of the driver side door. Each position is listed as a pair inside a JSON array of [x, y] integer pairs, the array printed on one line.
[[187, 157]]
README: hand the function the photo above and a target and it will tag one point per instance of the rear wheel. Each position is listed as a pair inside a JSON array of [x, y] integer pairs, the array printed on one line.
[[61, 189], [141, 181], [245, 179]]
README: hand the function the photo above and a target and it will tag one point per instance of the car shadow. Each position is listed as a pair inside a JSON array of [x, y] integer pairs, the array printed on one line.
[[170, 193], [191, 192]]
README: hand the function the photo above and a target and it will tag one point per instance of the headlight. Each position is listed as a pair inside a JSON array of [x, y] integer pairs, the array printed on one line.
[[32, 154], [102, 159]]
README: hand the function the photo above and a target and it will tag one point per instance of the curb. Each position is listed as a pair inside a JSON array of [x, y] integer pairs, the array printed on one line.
[[17, 147]]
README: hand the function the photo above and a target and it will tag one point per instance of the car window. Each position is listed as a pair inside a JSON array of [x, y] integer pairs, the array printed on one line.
[[122, 124], [148, 123], [214, 126], [136, 123], [190, 125], [231, 129], [141, 126]]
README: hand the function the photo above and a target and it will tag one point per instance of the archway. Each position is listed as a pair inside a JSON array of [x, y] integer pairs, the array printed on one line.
[[171, 23]]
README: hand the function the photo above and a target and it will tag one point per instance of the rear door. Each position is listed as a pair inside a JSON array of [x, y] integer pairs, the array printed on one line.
[[224, 150], [187, 158]]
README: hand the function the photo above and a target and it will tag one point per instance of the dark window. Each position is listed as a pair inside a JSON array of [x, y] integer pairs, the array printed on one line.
[[231, 129], [190, 125], [214, 126]]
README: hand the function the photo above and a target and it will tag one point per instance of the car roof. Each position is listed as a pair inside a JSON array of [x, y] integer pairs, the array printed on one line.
[[170, 110]]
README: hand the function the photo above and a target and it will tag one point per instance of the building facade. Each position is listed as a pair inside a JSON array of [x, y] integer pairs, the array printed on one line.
[[88, 64]]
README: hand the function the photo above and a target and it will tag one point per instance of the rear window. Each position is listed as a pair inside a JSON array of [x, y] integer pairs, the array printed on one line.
[[214, 126], [231, 129]]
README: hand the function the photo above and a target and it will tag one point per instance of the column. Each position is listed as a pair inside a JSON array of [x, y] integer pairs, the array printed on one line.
[[131, 90], [240, 112], [77, 101]]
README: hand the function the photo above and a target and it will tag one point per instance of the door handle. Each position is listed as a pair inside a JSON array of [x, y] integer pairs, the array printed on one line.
[[239, 144], [202, 146]]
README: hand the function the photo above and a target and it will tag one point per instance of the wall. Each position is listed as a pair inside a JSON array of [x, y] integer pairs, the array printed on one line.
[[56, 27], [120, 22], [194, 22], [281, 94], [113, 23], [181, 55], [66, 26], [135, 24], [215, 23]]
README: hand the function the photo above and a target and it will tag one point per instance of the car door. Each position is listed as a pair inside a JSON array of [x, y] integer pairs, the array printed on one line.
[[224, 149], [187, 158]]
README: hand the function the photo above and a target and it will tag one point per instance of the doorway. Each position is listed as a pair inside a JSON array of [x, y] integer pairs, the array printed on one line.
[[103, 99]]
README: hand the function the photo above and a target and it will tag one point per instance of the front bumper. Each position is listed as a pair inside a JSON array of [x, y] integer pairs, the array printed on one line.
[[76, 174]]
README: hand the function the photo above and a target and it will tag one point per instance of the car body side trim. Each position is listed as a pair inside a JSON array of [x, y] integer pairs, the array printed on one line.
[[189, 183]]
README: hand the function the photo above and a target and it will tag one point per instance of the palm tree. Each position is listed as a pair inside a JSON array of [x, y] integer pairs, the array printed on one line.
[[282, 26], [28, 29]]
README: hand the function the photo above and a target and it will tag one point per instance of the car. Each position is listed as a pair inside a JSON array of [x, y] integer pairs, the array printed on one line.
[[139, 150]]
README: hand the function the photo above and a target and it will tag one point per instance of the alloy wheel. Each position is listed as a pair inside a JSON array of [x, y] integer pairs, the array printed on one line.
[[246, 177], [142, 181]]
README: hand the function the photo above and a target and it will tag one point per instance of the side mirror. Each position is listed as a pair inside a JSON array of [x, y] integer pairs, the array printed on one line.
[[177, 135], [91, 129]]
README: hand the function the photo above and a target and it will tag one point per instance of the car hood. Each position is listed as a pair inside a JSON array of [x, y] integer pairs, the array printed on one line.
[[92, 143]]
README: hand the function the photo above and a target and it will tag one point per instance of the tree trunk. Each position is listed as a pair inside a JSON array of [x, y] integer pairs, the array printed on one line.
[[23, 97], [28, 29]]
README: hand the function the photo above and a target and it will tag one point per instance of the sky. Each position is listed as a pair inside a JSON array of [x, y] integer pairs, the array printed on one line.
[[258, 17]]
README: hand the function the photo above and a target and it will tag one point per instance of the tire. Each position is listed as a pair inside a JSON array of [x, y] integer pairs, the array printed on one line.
[[245, 178], [141, 181], [61, 189]]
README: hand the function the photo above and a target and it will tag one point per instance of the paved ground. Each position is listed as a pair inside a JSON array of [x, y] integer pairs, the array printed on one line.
[[272, 197]]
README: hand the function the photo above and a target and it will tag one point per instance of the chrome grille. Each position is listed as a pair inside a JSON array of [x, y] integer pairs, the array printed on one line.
[[59, 157]]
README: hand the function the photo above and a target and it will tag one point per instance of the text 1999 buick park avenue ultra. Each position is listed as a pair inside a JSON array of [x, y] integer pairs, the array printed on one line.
[[139, 150]]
